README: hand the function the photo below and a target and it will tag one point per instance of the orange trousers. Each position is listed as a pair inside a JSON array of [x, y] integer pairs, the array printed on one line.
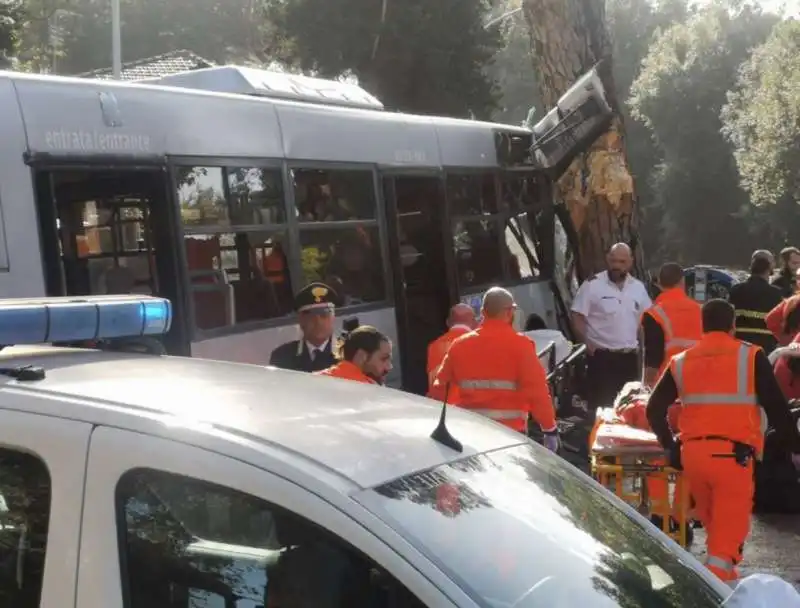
[[723, 493]]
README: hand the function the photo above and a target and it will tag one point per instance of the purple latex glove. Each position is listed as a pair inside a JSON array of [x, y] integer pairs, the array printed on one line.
[[552, 442]]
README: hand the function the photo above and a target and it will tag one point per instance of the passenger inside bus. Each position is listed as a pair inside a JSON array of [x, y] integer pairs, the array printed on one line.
[[477, 254], [352, 271], [324, 196]]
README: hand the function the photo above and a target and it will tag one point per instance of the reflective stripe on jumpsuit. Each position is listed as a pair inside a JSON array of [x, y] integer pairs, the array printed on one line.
[[658, 486], [498, 385]]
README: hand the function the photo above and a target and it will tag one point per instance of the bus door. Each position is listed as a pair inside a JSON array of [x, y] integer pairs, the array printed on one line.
[[423, 294], [565, 267], [111, 231]]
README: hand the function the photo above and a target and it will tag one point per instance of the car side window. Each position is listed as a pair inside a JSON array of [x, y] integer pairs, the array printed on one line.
[[186, 543], [24, 518]]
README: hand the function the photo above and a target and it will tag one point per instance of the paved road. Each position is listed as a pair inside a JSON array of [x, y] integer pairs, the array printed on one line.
[[773, 547]]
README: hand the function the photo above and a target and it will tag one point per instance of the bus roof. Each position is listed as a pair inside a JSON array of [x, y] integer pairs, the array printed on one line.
[[274, 85], [75, 117]]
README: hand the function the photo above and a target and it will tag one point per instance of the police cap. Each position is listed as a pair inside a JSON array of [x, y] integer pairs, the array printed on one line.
[[316, 297]]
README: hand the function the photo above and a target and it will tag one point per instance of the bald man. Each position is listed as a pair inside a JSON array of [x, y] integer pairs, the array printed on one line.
[[460, 321], [605, 316], [496, 371]]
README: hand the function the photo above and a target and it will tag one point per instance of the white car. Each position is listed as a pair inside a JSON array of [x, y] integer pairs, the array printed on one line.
[[142, 481]]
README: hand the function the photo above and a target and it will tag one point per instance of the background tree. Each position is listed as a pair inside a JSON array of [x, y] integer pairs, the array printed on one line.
[[511, 68], [762, 121], [678, 95], [414, 55], [75, 35], [633, 25], [11, 19], [568, 37]]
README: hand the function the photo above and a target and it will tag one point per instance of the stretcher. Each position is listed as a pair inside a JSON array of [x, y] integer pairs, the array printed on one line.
[[623, 458]]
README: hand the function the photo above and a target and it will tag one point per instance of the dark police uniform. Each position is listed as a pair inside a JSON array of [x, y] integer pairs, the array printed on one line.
[[316, 298], [753, 299], [785, 282]]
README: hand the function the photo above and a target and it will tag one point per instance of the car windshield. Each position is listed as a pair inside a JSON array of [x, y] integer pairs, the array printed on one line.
[[520, 528]]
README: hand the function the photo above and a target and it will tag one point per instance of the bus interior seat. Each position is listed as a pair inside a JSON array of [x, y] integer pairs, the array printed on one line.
[[214, 299], [256, 300], [119, 280]]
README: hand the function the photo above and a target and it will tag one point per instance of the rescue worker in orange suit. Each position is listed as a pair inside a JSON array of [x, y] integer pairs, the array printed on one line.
[[670, 326], [365, 355], [497, 373], [725, 386], [460, 321]]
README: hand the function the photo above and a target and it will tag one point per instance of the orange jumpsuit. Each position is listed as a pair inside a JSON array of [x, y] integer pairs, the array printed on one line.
[[776, 320], [498, 374], [716, 384], [345, 370], [681, 322], [436, 352]]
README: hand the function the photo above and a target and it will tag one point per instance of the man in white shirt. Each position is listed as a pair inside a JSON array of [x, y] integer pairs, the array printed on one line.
[[605, 317]]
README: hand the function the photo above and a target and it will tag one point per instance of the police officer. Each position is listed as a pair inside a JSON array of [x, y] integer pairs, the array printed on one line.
[[753, 299], [315, 305]]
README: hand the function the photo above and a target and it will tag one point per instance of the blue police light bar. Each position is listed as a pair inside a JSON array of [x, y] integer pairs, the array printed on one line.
[[75, 319]]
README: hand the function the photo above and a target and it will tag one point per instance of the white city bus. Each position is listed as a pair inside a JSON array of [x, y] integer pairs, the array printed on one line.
[[228, 189]]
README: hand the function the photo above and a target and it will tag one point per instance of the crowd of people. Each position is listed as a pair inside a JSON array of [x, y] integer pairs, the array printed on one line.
[[708, 369], [714, 389]]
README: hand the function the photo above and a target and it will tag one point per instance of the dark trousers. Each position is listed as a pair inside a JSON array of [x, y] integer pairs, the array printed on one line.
[[606, 373]]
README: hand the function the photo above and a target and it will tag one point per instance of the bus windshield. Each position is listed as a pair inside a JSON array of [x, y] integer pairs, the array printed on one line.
[[520, 528]]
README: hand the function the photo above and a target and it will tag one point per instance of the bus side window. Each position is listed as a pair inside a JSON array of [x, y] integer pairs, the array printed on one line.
[[476, 228], [349, 257], [235, 237]]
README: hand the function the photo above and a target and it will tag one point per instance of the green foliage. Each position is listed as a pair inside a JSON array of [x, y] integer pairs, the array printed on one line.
[[512, 71], [11, 18], [77, 33], [679, 95], [633, 25], [762, 119], [414, 55]]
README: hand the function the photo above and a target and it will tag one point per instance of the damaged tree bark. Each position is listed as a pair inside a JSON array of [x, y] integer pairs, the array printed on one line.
[[568, 38]]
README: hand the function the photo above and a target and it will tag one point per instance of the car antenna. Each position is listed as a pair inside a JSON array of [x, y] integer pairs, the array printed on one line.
[[440, 433]]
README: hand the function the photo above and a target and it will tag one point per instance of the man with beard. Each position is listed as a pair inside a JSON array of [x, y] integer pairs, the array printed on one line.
[[786, 281], [365, 355], [605, 317]]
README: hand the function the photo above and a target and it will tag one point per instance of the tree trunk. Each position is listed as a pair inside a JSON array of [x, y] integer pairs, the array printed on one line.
[[568, 38]]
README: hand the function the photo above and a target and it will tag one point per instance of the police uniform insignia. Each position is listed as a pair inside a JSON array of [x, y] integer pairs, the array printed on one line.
[[318, 293], [316, 297]]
